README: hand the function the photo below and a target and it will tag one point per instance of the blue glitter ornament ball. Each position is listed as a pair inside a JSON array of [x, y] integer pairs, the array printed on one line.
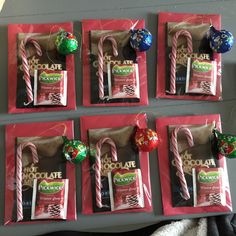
[[140, 39], [221, 41]]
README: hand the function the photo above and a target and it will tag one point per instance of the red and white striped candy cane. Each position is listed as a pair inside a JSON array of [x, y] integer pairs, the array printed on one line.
[[101, 61], [26, 67], [177, 157], [98, 166], [173, 56], [19, 174]]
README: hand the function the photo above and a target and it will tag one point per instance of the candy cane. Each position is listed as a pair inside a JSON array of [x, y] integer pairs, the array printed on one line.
[[173, 56], [98, 166], [101, 62], [177, 158], [26, 67], [19, 174]]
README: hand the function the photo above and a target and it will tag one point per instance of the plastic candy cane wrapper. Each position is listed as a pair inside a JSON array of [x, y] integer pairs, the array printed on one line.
[[114, 72], [193, 175], [188, 68], [114, 158], [41, 71], [34, 163]]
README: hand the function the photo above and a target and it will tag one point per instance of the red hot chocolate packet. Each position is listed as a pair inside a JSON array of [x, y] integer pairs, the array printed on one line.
[[126, 189], [50, 88], [123, 80], [201, 77], [208, 187], [50, 197]]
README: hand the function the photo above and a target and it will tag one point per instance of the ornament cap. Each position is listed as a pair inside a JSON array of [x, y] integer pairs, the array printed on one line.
[[213, 29]]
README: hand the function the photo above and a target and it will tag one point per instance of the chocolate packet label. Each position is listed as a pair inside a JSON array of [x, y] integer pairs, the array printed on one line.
[[50, 88], [50, 197], [208, 187], [201, 77], [123, 80], [126, 189]]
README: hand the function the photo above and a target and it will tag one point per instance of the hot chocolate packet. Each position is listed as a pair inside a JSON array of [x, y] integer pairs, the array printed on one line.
[[50, 198], [201, 76], [208, 187], [123, 80], [128, 158], [126, 189], [50, 88]]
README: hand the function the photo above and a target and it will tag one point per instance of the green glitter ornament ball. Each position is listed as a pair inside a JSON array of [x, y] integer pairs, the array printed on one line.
[[74, 151], [66, 43], [226, 144]]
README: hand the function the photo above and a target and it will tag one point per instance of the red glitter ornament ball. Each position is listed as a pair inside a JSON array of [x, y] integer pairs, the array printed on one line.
[[146, 139]]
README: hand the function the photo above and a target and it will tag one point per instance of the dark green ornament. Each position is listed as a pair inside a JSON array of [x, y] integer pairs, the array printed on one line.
[[66, 43], [74, 151], [226, 144]]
